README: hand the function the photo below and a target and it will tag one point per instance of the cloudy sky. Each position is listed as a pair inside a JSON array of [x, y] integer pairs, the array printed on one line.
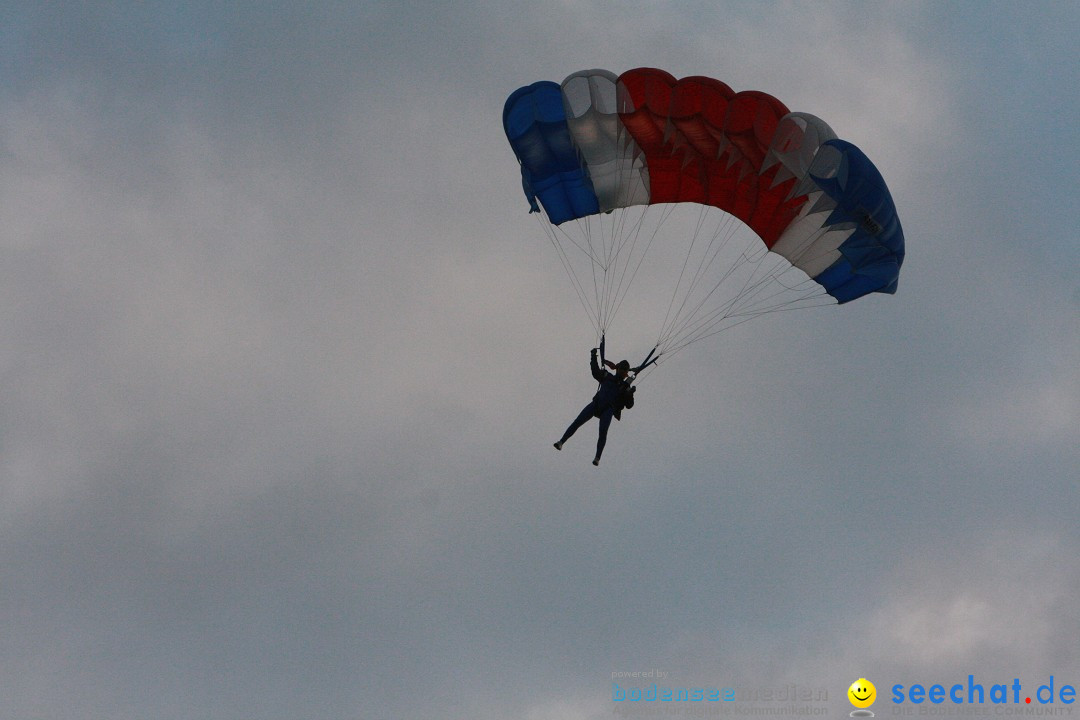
[[282, 357]]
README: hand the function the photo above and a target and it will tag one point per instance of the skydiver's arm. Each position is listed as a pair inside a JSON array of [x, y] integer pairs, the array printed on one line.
[[597, 373]]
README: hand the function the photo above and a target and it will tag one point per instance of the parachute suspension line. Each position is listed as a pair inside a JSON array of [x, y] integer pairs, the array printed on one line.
[[678, 323], [595, 239], [682, 272], [585, 224], [821, 298], [606, 256], [724, 319], [809, 294], [751, 285], [610, 239], [604, 285], [587, 241], [740, 308], [808, 243], [700, 305], [759, 301], [615, 245], [579, 244], [628, 226], [604, 240], [751, 301], [625, 283], [612, 247], [769, 283], [553, 233], [728, 228], [724, 231]]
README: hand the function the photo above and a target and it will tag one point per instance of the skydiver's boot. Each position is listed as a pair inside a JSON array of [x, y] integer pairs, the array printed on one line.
[[596, 461], [558, 445]]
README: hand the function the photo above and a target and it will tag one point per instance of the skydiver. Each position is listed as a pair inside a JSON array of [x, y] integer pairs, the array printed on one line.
[[614, 394]]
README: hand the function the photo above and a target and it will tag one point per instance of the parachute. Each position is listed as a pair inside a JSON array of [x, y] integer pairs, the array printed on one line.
[[783, 213]]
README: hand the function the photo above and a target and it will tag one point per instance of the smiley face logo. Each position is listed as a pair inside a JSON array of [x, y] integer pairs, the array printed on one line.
[[862, 693]]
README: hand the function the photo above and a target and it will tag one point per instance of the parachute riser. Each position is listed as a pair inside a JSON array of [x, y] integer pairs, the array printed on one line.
[[634, 372]]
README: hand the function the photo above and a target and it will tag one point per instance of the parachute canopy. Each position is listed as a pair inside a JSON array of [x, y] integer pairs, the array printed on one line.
[[599, 143]]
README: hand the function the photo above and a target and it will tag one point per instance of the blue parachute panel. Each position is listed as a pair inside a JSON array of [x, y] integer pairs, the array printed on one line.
[[551, 169], [872, 255]]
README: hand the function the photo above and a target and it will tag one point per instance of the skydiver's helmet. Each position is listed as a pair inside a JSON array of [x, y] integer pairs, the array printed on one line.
[[622, 367]]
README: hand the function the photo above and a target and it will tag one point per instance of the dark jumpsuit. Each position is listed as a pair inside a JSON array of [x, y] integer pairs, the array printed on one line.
[[610, 399]]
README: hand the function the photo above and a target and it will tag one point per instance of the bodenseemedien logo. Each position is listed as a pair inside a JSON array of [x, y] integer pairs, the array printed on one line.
[[681, 698]]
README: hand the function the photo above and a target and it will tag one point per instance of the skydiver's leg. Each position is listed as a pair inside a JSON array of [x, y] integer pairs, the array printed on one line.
[[601, 440], [582, 418]]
